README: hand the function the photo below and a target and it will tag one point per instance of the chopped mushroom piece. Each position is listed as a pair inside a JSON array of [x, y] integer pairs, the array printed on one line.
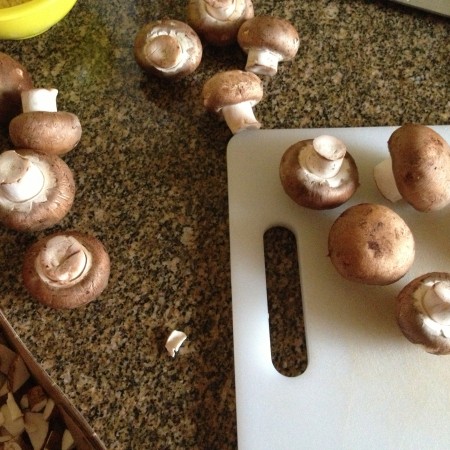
[[423, 312], [319, 173], [218, 21], [232, 94], [41, 127], [174, 342], [36, 190], [267, 41], [168, 48], [371, 244], [418, 169], [66, 270]]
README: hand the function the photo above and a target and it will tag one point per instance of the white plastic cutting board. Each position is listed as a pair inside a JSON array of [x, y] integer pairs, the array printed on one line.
[[366, 386]]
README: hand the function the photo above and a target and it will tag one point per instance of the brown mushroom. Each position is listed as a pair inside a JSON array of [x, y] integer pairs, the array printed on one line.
[[232, 95], [319, 173], [42, 127], [14, 79], [217, 21], [36, 190], [168, 49], [371, 244], [418, 169], [423, 312], [267, 40], [66, 270]]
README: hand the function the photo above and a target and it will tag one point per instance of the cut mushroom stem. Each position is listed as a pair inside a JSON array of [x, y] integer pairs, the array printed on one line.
[[39, 100], [385, 180], [220, 10], [263, 61], [436, 302], [240, 117], [164, 51]]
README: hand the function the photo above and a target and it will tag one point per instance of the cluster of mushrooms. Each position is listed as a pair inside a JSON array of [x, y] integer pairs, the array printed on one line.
[[370, 243], [37, 189], [173, 49]]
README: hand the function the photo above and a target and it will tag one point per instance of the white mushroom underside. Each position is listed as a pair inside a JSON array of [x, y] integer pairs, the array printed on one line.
[[385, 181], [262, 61], [240, 117]]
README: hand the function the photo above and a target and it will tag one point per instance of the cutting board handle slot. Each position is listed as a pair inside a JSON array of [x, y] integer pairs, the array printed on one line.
[[284, 298]]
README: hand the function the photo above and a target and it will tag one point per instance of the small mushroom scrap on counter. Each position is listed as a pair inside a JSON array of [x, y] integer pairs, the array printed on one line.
[[418, 169], [371, 244], [168, 49], [42, 127], [232, 95], [217, 21], [66, 270], [14, 78], [36, 190], [267, 41], [319, 173], [423, 312]]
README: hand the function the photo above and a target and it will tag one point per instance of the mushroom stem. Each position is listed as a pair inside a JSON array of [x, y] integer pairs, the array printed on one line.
[[39, 100], [220, 10], [262, 61], [63, 261], [163, 51], [324, 158], [385, 181], [20, 179], [240, 117], [436, 302]]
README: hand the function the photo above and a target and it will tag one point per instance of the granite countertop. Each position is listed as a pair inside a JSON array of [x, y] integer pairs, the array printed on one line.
[[152, 186]]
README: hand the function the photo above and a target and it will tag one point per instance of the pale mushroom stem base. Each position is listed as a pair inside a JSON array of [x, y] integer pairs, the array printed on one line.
[[220, 13], [262, 62], [385, 181], [240, 117]]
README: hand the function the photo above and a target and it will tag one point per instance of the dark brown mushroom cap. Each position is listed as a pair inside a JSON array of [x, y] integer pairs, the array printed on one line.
[[309, 191], [54, 133], [14, 79], [410, 316], [60, 197], [87, 289], [268, 32], [421, 166], [231, 88], [371, 244], [169, 34], [218, 32]]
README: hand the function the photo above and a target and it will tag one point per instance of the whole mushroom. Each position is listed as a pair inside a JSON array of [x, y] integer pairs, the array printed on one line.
[[42, 127], [217, 21], [267, 40], [232, 95], [418, 169], [319, 173], [14, 78], [371, 244], [423, 312], [66, 270], [168, 49], [36, 190]]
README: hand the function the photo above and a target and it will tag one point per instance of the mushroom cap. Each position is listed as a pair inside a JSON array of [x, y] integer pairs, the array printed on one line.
[[230, 88], [59, 196], [14, 78], [87, 289], [218, 32], [157, 45], [371, 244], [411, 317], [310, 191], [54, 133], [272, 33], [421, 166]]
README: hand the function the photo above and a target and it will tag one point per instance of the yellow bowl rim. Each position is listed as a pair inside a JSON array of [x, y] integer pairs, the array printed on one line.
[[16, 11]]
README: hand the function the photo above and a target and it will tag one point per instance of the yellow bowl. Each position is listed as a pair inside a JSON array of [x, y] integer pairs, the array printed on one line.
[[32, 18]]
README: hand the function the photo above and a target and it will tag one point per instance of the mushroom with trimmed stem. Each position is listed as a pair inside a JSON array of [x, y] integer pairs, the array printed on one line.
[[168, 49], [267, 40], [418, 169], [42, 127], [217, 21], [66, 270], [14, 79], [319, 173], [371, 244], [423, 312], [36, 190], [232, 94]]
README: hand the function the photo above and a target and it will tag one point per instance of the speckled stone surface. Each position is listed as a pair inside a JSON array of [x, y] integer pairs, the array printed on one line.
[[152, 186]]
